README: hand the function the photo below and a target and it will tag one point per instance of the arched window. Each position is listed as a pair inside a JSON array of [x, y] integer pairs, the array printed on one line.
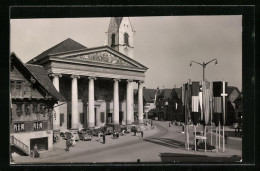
[[126, 39], [113, 39]]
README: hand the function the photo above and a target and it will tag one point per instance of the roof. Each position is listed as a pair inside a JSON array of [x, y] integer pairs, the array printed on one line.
[[41, 76], [64, 46], [149, 94], [118, 20], [230, 89], [178, 92], [166, 93]]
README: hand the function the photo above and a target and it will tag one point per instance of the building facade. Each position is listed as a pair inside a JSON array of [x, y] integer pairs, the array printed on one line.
[[32, 99], [96, 82]]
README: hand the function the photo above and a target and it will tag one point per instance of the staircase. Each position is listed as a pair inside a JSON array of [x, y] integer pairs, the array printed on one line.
[[19, 145]]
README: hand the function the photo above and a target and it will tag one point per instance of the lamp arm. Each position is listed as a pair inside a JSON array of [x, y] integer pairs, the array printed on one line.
[[210, 61], [197, 63]]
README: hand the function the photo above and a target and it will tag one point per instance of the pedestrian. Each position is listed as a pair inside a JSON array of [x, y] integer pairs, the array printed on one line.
[[226, 138], [54, 139], [68, 145], [35, 150], [117, 134], [104, 139], [142, 133], [169, 124], [134, 132], [98, 136]]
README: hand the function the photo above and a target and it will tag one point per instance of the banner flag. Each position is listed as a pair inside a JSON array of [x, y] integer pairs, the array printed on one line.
[[206, 102], [217, 103], [195, 102]]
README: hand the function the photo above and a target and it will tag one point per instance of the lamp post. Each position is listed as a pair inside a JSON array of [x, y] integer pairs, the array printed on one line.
[[204, 65]]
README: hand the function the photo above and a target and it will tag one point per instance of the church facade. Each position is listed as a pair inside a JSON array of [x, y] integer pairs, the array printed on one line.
[[98, 82]]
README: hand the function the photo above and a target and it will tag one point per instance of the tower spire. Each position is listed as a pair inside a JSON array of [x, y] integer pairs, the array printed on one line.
[[120, 35]]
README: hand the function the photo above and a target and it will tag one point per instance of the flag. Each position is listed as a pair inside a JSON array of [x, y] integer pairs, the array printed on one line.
[[195, 102], [206, 102], [218, 94], [187, 99], [200, 102]]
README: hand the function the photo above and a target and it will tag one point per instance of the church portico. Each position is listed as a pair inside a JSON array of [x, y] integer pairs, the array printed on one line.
[[96, 82]]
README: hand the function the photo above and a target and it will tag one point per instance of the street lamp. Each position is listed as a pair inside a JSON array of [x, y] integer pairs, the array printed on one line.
[[204, 65]]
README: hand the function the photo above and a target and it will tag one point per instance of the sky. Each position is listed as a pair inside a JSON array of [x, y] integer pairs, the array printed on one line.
[[165, 45]]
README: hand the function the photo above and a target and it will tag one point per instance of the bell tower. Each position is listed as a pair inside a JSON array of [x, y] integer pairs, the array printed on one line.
[[121, 35]]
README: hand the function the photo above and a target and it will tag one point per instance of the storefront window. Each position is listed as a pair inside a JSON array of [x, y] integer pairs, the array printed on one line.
[[37, 126], [19, 127]]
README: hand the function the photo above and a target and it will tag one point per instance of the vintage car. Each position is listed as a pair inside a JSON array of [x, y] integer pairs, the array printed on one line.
[[75, 134], [85, 136], [86, 130], [97, 131], [106, 130], [115, 127], [126, 128], [136, 128]]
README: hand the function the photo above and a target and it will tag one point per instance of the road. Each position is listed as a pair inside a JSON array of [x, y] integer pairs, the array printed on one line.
[[167, 145]]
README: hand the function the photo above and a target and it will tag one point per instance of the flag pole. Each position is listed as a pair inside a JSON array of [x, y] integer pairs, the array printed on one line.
[[224, 112], [211, 110], [217, 139], [219, 135], [195, 137]]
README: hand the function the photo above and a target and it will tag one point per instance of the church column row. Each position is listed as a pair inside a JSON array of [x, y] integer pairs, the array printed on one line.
[[75, 122]]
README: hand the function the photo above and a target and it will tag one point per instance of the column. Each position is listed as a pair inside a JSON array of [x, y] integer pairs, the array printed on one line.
[[74, 102], [91, 103], [56, 116], [116, 102], [140, 102], [132, 102], [129, 102]]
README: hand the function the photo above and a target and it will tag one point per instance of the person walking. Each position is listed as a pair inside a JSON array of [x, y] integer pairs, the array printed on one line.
[[98, 136], [104, 139], [142, 133], [67, 145], [169, 124], [35, 150]]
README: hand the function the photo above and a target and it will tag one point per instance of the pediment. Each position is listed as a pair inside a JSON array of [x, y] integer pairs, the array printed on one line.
[[104, 57]]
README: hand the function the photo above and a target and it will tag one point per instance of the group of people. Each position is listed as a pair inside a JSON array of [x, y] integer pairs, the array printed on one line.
[[34, 153], [115, 135]]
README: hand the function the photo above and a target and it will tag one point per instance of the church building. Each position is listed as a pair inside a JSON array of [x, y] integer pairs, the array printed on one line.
[[98, 82]]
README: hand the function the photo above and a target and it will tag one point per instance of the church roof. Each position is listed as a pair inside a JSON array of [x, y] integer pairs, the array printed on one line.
[[64, 46]]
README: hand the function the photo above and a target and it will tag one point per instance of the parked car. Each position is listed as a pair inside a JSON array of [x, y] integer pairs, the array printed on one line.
[[85, 136], [126, 128], [86, 130], [62, 134], [135, 127], [106, 130], [96, 131], [115, 127], [75, 134]]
